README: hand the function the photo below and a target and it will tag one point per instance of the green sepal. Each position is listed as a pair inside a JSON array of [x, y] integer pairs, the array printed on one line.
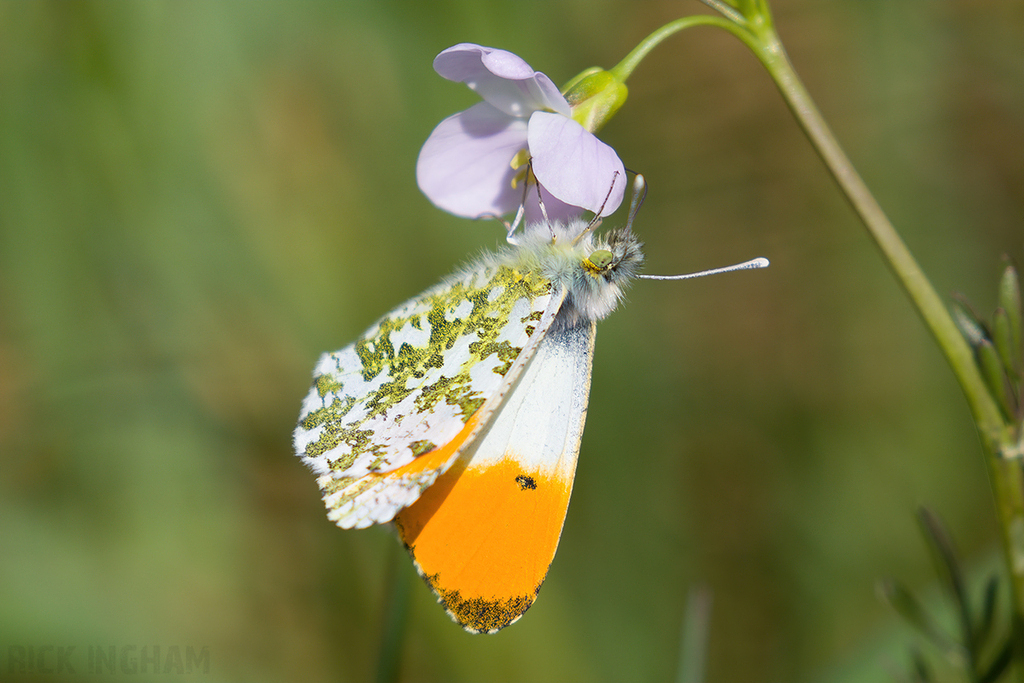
[[575, 80], [595, 95]]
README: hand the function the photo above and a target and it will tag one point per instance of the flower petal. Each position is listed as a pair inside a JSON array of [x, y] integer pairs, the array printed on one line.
[[575, 166], [555, 209], [501, 78], [463, 166]]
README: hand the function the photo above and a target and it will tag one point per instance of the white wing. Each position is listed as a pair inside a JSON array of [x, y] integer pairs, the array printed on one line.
[[486, 550], [387, 414]]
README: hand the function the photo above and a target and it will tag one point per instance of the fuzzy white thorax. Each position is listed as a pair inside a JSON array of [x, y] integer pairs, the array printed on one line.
[[561, 252]]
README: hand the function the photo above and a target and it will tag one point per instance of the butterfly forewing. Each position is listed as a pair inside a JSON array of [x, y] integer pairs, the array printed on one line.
[[387, 414]]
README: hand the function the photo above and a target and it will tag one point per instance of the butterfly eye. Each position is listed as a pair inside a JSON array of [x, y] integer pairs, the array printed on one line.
[[599, 260]]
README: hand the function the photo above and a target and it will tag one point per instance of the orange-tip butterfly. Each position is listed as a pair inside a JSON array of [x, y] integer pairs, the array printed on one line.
[[458, 415]]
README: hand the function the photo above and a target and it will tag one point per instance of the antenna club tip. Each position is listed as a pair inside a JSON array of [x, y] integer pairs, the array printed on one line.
[[760, 262]]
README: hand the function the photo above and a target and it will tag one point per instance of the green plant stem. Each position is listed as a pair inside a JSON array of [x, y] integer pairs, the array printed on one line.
[[751, 22], [694, 642], [997, 438], [902, 263], [395, 616], [623, 69], [928, 303]]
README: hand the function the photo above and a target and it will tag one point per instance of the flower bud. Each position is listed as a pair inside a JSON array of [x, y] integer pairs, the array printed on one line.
[[594, 95]]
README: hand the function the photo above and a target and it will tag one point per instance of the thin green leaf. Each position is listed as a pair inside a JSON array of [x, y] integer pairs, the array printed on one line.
[[995, 377], [921, 673], [941, 542], [970, 324], [907, 606], [998, 665], [988, 612], [1010, 301], [1002, 337]]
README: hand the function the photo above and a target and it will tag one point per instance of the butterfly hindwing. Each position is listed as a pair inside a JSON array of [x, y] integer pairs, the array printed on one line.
[[484, 534], [387, 414]]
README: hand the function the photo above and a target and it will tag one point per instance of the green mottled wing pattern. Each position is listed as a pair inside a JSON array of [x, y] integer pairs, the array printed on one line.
[[411, 382]]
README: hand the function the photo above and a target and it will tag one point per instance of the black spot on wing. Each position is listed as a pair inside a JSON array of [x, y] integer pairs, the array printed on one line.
[[526, 483]]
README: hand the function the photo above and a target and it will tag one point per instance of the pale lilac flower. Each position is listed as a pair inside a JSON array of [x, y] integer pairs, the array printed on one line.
[[474, 162]]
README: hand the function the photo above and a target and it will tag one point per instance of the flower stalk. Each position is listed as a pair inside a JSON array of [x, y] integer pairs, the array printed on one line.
[[1001, 430], [1001, 437]]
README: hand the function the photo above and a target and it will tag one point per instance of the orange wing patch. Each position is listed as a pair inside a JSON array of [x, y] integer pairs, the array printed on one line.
[[421, 469], [483, 537]]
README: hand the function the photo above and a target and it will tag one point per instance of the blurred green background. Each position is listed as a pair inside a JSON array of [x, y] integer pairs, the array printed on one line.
[[198, 198]]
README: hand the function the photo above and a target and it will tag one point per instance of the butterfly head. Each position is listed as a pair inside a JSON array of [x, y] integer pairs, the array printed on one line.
[[593, 269], [617, 259]]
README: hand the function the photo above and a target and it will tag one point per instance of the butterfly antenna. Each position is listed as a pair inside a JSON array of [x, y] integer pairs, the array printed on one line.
[[540, 199], [639, 194], [511, 227], [521, 211], [752, 264], [596, 220]]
